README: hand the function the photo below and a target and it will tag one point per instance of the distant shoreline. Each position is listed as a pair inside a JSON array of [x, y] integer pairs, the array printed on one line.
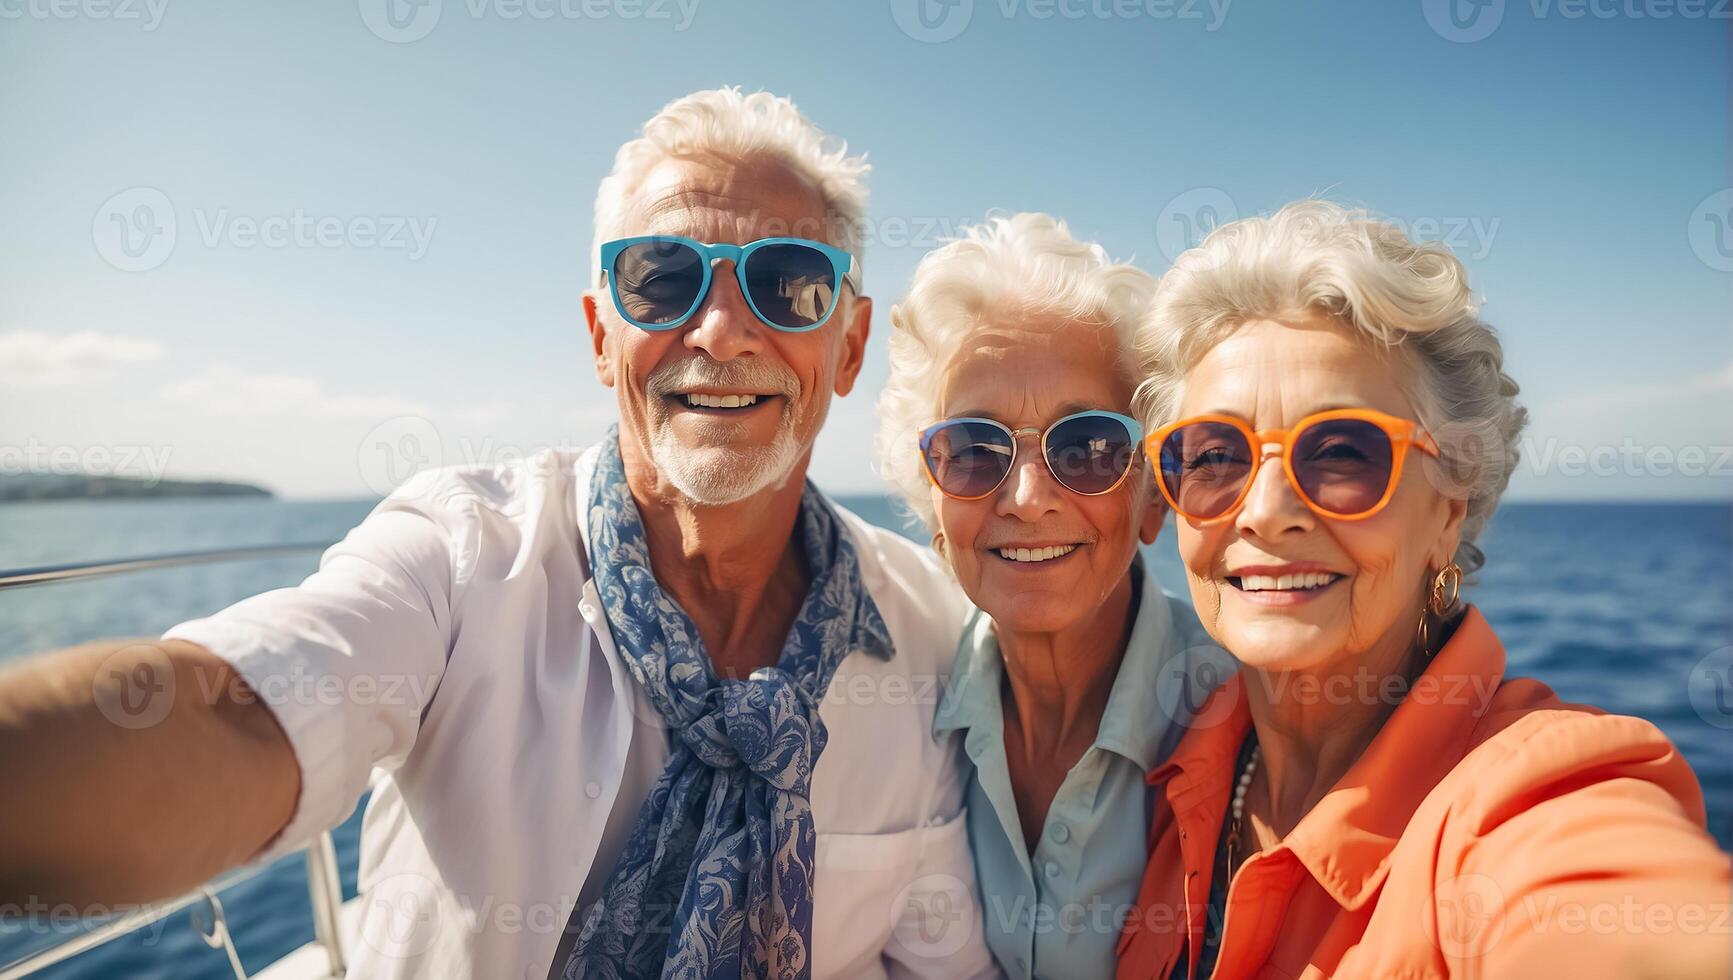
[[25, 487]]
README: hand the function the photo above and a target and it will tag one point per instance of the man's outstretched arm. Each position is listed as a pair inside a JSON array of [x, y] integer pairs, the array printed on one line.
[[133, 771]]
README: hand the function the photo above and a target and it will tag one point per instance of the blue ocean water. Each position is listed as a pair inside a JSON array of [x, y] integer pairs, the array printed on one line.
[[1612, 604]]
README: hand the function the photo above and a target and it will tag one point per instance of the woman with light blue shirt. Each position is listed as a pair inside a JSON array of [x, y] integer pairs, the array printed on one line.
[[1004, 423]]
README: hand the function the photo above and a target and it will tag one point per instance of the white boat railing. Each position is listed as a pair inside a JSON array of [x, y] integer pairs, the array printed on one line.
[[324, 886]]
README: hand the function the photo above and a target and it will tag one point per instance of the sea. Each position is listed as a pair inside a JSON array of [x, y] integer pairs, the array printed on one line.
[[1623, 605]]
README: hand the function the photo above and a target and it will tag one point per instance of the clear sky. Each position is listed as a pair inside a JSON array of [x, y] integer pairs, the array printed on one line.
[[258, 240]]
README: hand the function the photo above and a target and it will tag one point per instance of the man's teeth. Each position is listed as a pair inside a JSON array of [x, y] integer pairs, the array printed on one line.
[[720, 401], [1304, 580], [1036, 554]]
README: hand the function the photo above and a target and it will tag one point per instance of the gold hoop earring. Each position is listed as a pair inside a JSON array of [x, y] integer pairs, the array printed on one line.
[[1440, 603], [1441, 600]]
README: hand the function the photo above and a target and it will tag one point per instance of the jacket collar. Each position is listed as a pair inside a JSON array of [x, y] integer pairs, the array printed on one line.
[[1346, 839]]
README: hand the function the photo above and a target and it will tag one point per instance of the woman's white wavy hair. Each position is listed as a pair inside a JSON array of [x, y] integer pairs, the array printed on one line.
[[1016, 266], [1408, 299], [724, 123]]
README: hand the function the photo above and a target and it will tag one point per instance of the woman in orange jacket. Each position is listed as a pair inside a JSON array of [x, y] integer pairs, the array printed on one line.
[[1370, 797]]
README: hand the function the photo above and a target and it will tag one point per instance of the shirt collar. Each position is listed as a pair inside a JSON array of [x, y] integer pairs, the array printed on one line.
[[971, 698], [1133, 724], [1346, 840]]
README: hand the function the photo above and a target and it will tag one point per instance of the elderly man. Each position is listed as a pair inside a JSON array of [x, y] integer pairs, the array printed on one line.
[[658, 708]]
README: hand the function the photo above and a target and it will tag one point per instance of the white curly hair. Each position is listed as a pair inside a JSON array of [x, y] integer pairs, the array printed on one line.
[[1409, 299], [1020, 265], [731, 125]]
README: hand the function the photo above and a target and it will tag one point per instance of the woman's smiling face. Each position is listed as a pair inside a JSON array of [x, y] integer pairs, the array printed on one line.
[[1031, 374], [1272, 374]]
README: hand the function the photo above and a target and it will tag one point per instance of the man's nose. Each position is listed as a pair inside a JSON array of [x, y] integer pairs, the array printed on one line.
[[724, 326]]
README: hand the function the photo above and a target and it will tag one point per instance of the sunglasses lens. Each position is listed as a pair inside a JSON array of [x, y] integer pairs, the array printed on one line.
[[1343, 465], [658, 282], [968, 459], [793, 286], [1089, 453], [1204, 466]]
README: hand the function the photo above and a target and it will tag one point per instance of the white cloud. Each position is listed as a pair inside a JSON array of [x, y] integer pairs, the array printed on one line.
[[1709, 384], [229, 390], [33, 359]]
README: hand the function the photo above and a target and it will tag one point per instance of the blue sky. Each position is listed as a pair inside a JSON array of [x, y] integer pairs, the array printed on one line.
[[380, 216]]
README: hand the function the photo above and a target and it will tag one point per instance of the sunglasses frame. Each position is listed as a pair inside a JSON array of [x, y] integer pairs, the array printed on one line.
[[1133, 428], [1402, 434], [841, 263]]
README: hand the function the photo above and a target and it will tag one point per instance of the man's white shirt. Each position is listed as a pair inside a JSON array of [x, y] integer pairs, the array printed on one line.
[[451, 652]]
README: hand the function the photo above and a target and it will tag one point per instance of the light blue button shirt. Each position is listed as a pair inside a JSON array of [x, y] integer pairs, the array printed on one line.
[[1055, 910]]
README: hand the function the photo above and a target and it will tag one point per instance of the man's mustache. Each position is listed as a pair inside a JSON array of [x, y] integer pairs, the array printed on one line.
[[748, 375]]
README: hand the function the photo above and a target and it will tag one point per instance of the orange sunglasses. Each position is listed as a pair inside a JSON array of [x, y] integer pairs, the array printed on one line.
[[1345, 464]]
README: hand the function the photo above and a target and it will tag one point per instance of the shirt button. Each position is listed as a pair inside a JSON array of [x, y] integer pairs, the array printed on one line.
[[1061, 833], [1052, 869], [592, 790]]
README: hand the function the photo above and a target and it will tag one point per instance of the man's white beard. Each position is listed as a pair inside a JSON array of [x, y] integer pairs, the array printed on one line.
[[716, 475]]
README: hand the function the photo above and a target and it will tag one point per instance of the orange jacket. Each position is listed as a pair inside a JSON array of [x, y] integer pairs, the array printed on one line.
[[1489, 830]]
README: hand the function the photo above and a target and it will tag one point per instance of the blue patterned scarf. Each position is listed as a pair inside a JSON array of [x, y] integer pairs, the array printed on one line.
[[717, 876]]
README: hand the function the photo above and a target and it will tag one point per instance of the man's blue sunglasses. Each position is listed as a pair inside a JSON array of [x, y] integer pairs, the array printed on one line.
[[791, 284]]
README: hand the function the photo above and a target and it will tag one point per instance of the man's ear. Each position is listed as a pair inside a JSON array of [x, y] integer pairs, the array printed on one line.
[[854, 339], [598, 339]]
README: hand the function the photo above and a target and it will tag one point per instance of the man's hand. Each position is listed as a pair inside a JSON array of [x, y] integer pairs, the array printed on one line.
[[133, 771]]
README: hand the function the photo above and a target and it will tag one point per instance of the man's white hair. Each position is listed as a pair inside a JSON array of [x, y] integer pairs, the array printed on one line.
[[1408, 299], [724, 123], [1024, 266]]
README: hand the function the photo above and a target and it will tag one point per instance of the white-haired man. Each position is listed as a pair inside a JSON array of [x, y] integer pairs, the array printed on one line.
[[654, 709]]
